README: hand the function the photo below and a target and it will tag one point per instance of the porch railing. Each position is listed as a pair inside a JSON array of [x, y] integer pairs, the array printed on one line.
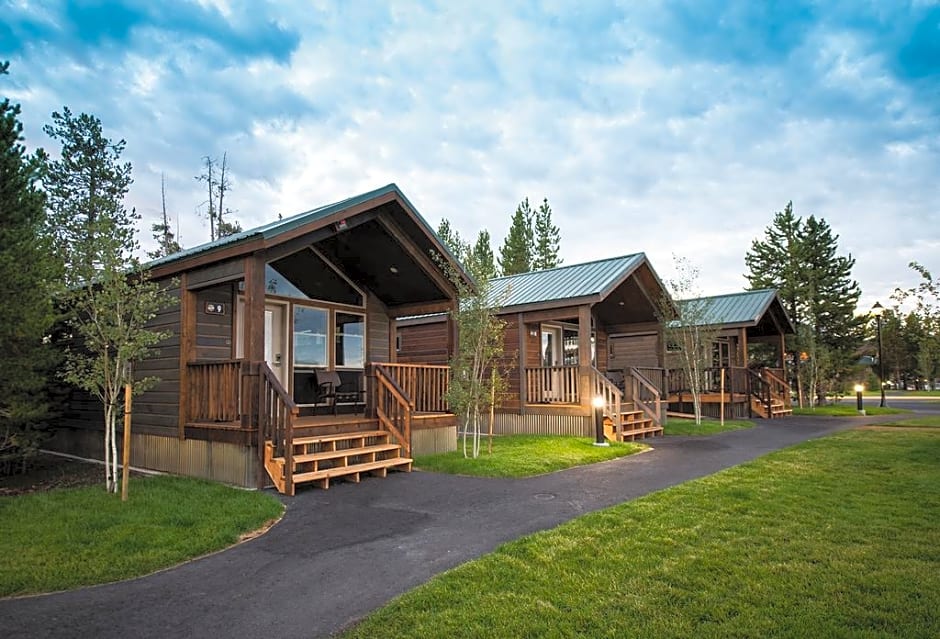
[[602, 386], [644, 394], [779, 389], [276, 414], [393, 407], [552, 385], [215, 391], [655, 376], [425, 385], [736, 380]]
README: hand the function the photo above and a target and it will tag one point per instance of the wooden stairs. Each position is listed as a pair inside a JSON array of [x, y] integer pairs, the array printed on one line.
[[635, 425], [777, 408], [318, 459]]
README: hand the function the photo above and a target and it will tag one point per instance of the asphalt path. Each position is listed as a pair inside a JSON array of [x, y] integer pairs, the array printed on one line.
[[341, 553]]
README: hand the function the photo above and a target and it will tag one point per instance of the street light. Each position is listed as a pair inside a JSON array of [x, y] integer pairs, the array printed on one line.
[[878, 310], [598, 403]]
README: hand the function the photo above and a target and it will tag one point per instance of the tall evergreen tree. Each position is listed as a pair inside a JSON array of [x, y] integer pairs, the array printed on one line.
[[547, 239], [451, 239], [109, 298], [800, 259], [481, 255], [518, 249], [28, 276]]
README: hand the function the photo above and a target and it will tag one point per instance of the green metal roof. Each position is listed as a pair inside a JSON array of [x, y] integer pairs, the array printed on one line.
[[747, 307], [278, 227], [564, 282]]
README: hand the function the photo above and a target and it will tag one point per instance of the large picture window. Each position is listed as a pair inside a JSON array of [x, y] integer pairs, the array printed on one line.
[[310, 335], [350, 340]]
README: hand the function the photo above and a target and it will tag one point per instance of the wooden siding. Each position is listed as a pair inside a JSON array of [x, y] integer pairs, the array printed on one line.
[[423, 343], [635, 350], [378, 327], [602, 362], [214, 332]]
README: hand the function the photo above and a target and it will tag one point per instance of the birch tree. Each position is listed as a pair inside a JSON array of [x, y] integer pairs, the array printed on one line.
[[689, 327], [109, 298]]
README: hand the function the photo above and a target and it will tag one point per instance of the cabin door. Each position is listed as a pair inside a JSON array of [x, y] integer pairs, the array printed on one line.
[[275, 342], [552, 353]]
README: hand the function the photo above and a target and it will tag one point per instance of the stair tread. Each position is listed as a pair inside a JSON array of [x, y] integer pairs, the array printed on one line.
[[648, 429], [339, 471], [316, 439], [342, 452]]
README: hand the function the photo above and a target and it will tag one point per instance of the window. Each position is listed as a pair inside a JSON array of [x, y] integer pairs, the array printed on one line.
[[310, 332], [350, 340]]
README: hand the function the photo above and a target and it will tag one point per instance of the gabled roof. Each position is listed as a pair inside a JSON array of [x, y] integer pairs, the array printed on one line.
[[280, 227], [565, 282], [746, 308]]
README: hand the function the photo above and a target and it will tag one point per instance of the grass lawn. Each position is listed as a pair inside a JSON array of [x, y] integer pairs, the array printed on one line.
[[679, 426], [917, 422], [901, 394], [525, 455], [847, 410], [80, 536], [837, 537]]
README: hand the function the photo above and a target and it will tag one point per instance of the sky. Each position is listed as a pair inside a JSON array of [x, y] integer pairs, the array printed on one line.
[[671, 128]]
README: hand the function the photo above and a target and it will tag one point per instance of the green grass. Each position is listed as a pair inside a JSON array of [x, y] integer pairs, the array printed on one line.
[[679, 426], [837, 537], [846, 410], [903, 393], [525, 455], [917, 422], [75, 537]]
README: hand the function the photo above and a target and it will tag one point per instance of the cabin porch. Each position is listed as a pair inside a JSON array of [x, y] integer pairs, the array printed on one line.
[[735, 392], [245, 401]]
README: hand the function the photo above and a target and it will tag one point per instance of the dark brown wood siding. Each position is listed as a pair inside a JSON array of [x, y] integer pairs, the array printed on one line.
[[157, 410], [214, 333], [509, 362], [600, 350], [634, 350], [378, 331], [423, 343]]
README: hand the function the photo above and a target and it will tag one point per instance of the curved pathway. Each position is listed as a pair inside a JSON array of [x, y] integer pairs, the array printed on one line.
[[339, 554]]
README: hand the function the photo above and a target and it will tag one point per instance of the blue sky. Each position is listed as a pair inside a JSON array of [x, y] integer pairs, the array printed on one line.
[[674, 128]]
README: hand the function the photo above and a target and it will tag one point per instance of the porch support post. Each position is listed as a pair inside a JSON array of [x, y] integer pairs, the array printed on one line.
[[254, 333], [742, 346], [783, 354], [584, 356], [520, 374], [187, 348]]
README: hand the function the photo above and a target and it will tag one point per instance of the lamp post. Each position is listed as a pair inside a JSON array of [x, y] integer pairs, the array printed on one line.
[[858, 399], [878, 310], [598, 403]]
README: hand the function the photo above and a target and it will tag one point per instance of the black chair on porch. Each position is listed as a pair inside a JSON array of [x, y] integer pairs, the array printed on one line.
[[331, 392]]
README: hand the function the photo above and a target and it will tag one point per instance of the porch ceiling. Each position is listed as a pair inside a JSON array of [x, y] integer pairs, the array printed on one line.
[[627, 304], [375, 255]]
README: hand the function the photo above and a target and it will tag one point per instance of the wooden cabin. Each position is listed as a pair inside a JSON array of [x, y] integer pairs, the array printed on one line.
[[747, 377], [281, 364], [572, 333]]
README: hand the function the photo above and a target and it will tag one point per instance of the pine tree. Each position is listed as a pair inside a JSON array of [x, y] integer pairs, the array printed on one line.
[[517, 251], [28, 276], [109, 299], [799, 258], [451, 239], [166, 239], [481, 255], [217, 185], [547, 239]]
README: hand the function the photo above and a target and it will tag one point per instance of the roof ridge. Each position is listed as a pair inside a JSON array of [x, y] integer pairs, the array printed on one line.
[[735, 294]]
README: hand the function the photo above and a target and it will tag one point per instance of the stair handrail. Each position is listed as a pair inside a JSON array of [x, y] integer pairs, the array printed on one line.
[[759, 389], [613, 399], [778, 387], [640, 382], [276, 413], [393, 405]]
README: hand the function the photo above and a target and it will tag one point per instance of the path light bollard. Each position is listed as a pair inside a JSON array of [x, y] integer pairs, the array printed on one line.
[[858, 399], [598, 403]]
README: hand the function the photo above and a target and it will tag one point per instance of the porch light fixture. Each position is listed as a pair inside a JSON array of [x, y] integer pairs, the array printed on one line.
[[858, 399], [598, 403], [393, 270]]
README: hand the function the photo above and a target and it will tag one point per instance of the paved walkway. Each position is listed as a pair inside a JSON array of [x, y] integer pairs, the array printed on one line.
[[339, 554]]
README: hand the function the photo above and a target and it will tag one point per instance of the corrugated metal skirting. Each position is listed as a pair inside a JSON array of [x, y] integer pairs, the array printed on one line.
[[218, 461], [514, 424], [427, 441]]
